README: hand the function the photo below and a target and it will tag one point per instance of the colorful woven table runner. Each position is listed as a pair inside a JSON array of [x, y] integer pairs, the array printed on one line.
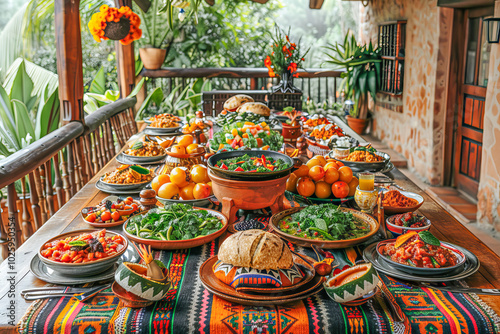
[[189, 308]]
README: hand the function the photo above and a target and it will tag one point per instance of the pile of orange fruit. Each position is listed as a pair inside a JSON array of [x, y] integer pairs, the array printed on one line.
[[183, 183], [323, 178], [185, 145]]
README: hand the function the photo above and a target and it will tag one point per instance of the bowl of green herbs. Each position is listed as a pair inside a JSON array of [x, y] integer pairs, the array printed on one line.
[[326, 226], [176, 226]]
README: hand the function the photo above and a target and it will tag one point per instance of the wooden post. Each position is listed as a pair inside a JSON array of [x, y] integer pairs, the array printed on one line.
[[125, 60], [69, 59]]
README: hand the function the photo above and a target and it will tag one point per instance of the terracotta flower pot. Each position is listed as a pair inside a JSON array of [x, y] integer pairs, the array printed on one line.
[[359, 125], [152, 58]]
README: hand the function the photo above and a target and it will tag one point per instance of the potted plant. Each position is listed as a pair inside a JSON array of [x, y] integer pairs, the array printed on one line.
[[158, 22], [361, 77], [292, 128], [284, 61]]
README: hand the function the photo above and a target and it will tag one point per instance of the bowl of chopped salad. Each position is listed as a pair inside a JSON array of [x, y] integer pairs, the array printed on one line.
[[326, 226], [407, 222], [251, 165], [176, 226]]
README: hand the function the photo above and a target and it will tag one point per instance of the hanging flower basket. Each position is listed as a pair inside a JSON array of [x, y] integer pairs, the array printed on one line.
[[119, 24]]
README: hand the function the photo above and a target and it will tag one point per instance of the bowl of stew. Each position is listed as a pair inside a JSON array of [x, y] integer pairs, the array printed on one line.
[[78, 253], [441, 260], [406, 222]]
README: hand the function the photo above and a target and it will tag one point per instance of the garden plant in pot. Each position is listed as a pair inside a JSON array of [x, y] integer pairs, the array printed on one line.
[[361, 76], [158, 22]]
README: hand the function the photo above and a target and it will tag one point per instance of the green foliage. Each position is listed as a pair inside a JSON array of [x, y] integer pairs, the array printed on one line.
[[362, 65], [326, 107], [26, 116]]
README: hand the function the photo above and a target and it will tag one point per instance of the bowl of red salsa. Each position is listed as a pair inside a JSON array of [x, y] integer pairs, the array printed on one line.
[[83, 252], [407, 222], [418, 257]]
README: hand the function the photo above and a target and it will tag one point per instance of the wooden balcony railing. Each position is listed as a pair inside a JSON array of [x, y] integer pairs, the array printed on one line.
[[316, 84], [52, 169]]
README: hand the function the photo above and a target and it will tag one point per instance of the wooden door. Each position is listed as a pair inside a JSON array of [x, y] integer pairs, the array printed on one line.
[[472, 94]]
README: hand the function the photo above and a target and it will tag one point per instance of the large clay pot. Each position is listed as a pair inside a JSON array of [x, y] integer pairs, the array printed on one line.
[[152, 58], [248, 195], [359, 125]]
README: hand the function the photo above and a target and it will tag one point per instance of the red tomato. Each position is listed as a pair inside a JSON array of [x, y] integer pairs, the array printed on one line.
[[116, 216], [105, 216], [127, 202], [135, 206], [91, 218], [340, 189]]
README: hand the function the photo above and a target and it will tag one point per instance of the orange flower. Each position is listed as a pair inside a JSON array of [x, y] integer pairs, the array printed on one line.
[[292, 67], [99, 21], [267, 61]]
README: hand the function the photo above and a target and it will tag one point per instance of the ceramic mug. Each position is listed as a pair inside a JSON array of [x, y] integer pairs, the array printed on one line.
[[366, 199]]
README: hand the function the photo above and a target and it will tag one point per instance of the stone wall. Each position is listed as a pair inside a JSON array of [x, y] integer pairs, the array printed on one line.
[[489, 183], [416, 129]]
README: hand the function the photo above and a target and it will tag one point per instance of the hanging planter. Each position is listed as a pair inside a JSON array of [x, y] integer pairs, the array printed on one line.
[[119, 24], [152, 58]]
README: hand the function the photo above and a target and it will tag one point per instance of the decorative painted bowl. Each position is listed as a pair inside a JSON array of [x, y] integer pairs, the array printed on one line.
[[352, 283], [397, 230], [132, 278]]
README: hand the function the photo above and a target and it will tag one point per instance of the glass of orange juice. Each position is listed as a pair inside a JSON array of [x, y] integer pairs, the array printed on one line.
[[366, 181]]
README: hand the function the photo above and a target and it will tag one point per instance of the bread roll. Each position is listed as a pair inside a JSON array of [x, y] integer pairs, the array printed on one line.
[[256, 249], [234, 102], [257, 108]]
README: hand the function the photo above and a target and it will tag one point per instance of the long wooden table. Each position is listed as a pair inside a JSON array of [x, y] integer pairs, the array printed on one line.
[[16, 278]]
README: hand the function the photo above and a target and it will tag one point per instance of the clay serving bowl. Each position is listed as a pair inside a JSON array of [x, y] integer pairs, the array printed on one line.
[[248, 195], [82, 269], [392, 210]]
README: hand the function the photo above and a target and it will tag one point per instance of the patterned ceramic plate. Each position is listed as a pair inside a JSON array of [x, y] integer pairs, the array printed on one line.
[[275, 220], [217, 287], [471, 265]]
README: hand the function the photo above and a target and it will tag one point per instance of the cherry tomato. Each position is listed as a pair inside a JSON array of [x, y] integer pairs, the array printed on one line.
[[130, 199], [135, 206], [127, 202], [91, 218], [106, 215], [116, 216]]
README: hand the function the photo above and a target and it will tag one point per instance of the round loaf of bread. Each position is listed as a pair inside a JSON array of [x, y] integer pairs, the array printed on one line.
[[234, 102], [257, 108], [256, 249]]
